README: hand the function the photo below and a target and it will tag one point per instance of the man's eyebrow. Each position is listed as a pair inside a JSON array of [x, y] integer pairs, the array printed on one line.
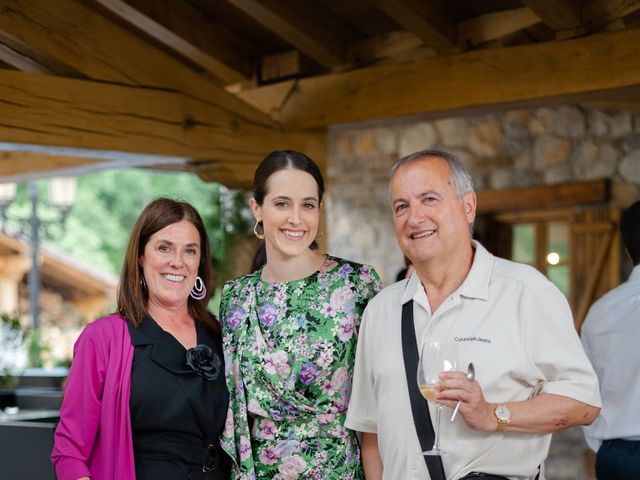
[[428, 192], [420, 195]]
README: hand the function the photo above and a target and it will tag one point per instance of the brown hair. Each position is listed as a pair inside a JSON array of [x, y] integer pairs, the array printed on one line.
[[132, 296]]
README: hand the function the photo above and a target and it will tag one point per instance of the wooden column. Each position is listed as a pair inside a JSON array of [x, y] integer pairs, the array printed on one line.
[[13, 268]]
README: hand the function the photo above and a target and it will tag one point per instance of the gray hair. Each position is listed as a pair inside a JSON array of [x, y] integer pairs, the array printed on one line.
[[459, 177]]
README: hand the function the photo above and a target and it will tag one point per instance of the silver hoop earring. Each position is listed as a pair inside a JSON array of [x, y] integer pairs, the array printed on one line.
[[199, 291], [255, 230]]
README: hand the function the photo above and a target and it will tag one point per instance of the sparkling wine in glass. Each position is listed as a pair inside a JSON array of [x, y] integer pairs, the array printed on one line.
[[435, 357]]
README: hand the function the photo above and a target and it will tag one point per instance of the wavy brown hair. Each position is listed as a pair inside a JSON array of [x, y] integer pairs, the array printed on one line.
[[132, 297]]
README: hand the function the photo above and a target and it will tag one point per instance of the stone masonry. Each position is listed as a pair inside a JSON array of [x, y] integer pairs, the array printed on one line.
[[514, 149]]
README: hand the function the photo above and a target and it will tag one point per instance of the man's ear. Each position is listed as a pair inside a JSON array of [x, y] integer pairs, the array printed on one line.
[[469, 204]]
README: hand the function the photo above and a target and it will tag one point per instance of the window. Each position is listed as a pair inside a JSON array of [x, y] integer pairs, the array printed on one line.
[[545, 246], [578, 249]]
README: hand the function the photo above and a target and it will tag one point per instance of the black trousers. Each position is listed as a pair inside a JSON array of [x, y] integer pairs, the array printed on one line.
[[618, 460]]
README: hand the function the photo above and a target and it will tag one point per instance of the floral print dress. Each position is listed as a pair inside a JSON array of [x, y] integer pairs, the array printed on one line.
[[290, 351]]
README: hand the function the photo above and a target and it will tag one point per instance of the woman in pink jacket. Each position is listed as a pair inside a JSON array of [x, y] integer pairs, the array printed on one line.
[[146, 395]]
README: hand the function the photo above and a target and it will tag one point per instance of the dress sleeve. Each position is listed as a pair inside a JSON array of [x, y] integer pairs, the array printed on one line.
[[75, 435], [224, 304], [368, 284]]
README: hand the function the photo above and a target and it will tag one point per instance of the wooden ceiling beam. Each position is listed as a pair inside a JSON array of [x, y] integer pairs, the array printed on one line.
[[433, 25], [223, 63], [25, 58], [493, 26], [391, 46], [101, 49], [20, 62], [547, 196], [557, 14], [301, 24], [479, 80], [111, 119], [599, 13], [16, 164]]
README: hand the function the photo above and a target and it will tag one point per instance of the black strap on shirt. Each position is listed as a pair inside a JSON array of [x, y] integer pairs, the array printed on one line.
[[419, 406]]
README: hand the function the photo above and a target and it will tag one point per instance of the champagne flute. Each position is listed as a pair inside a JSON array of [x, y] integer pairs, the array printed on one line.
[[435, 356]]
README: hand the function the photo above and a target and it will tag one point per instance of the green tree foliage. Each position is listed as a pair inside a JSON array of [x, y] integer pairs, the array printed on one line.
[[108, 203]]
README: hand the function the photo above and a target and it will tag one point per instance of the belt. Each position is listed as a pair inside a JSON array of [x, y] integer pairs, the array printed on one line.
[[483, 476]]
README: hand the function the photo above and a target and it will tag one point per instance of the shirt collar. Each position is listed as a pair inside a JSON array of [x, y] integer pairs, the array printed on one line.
[[143, 334], [166, 351], [475, 285]]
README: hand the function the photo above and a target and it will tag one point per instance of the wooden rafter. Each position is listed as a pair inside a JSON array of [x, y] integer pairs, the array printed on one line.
[[487, 79], [101, 49], [20, 62], [557, 14], [59, 112], [222, 63], [543, 197], [16, 164], [300, 26], [598, 13], [391, 47], [434, 26], [496, 25], [26, 58]]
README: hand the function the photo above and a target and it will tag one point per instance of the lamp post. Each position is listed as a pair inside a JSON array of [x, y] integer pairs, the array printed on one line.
[[62, 196], [34, 273]]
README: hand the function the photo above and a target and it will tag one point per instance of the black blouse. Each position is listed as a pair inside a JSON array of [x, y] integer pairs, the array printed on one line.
[[177, 414]]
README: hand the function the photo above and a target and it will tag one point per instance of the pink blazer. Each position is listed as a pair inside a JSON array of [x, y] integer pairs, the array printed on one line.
[[93, 437]]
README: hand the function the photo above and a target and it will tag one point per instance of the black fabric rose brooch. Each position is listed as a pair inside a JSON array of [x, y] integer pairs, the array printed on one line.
[[204, 361]]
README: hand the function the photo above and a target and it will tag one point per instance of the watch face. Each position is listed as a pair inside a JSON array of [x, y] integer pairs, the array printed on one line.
[[503, 413]]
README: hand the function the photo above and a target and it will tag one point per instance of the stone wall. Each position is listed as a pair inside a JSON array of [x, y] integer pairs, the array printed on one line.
[[518, 148]]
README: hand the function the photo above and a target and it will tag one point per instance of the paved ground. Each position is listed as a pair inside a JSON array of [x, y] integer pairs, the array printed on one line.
[[569, 457]]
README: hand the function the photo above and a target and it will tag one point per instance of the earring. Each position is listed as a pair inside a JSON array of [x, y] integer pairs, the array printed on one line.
[[199, 291], [143, 284], [255, 230], [319, 235]]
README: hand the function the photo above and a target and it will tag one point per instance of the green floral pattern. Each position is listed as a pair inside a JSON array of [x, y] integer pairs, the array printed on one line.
[[290, 351]]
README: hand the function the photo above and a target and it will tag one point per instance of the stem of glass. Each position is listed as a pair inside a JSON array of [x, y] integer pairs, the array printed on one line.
[[436, 440]]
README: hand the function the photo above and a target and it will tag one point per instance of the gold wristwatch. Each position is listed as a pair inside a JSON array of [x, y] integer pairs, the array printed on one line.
[[503, 414]]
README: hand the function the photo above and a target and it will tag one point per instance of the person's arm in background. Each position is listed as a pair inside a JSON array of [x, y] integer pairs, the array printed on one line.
[[371, 460]]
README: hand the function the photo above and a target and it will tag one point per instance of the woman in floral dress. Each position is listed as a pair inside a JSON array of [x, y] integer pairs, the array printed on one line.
[[290, 333]]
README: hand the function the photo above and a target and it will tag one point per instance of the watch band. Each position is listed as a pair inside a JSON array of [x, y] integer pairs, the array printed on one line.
[[503, 414]]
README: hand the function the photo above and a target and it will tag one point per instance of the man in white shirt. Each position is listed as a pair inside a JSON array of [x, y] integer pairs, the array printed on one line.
[[507, 318], [611, 339]]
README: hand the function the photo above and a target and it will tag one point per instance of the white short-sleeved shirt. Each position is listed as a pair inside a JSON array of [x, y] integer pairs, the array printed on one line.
[[611, 337], [517, 329]]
